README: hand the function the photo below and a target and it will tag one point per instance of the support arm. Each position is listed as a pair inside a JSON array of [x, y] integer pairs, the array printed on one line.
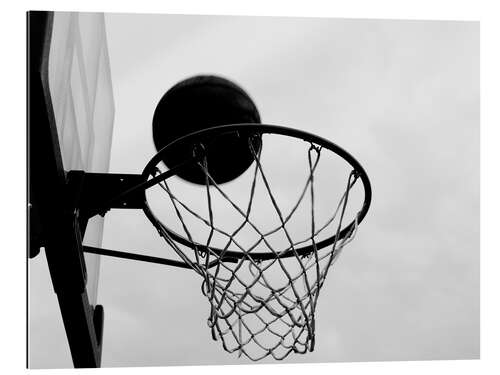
[[146, 258]]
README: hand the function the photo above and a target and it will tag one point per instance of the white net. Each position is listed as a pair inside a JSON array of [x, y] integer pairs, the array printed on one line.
[[262, 305]]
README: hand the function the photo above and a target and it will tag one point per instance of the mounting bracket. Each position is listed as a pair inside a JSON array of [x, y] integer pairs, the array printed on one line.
[[97, 193]]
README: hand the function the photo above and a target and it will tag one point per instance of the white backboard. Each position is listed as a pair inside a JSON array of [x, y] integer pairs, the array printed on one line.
[[82, 98]]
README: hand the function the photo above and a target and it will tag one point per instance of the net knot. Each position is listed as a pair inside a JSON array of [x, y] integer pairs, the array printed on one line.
[[199, 151], [315, 148], [202, 251]]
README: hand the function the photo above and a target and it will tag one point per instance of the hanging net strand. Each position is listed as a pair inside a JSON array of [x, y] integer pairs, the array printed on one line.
[[262, 307]]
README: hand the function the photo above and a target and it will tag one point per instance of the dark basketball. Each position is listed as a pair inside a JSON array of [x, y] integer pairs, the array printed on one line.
[[199, 103]]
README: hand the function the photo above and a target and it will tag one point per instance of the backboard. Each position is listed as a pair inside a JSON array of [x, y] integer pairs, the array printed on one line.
[[82, 98], [70, 88]]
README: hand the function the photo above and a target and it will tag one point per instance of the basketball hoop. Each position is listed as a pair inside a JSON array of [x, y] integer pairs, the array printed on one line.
[[262, 296]]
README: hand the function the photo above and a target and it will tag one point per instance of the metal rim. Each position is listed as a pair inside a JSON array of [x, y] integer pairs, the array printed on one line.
[[260, 129]]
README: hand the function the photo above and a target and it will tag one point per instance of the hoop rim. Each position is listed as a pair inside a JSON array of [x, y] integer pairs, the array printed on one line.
[[262, 129]]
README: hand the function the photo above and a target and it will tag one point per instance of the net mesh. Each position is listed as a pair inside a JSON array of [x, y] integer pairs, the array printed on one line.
[[261, 308]]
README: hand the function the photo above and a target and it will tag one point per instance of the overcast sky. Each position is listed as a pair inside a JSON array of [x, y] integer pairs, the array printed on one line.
[[401, 96]]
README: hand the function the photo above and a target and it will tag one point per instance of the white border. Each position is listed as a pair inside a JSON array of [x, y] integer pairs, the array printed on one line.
[[13, 282]]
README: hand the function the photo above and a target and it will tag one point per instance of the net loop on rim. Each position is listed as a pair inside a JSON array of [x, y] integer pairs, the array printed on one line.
[[262, 306]]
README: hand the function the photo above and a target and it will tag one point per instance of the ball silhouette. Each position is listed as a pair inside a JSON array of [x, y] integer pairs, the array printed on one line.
[[199, 103]]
